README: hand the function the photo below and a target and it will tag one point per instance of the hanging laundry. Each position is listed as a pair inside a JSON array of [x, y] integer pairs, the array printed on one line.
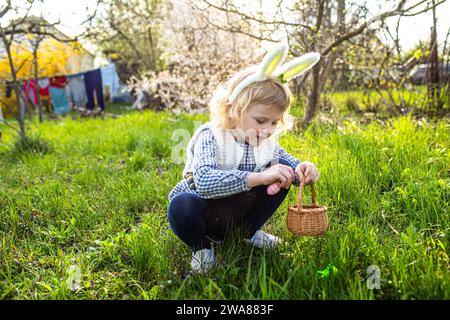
[[43, 86], [30, 92], [58, 82], [77, 90], [110, 79], [59, 100], [93, 82]]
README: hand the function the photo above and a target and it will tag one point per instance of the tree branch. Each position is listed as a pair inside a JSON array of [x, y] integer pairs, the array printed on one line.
[[397, 11], [362, 27], [247, 17], [5, 9], [421, 11], [237, 30]]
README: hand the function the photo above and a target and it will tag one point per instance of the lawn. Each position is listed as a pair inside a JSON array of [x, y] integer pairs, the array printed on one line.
[[83, 215]]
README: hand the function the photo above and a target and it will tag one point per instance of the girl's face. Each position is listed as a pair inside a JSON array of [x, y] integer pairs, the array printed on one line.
[[259, 123]]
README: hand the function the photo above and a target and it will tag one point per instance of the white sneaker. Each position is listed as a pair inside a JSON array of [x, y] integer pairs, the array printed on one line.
[[203, 260], [263, 240]]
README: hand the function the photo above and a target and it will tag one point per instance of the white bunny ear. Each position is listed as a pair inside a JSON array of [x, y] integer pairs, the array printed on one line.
[[265, 69], [297, 66], [273, 59]]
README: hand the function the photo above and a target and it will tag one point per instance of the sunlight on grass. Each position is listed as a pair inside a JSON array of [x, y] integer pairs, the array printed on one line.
[[93, 194]]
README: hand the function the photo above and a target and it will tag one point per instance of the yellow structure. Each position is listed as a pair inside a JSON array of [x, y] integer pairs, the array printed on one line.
[[53, 57]]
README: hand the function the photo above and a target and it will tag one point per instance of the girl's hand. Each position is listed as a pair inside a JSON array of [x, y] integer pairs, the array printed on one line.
[[273, 188], [279, 173], [309, 170]]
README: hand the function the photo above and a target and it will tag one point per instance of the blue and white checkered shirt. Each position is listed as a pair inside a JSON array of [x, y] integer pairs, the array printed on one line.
[[211, 182]]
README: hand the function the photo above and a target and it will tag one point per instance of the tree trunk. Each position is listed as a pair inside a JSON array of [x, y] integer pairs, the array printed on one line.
[[20, 117], [322, 69], [152, 48], [312, 103], [433, 83], [340, 25], [36, 82]]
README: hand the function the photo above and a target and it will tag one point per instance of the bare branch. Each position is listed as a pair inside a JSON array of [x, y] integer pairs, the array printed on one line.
[[421, 11], [9, 107], [319, 15], [238, 29], [363, 26], [5, 9], [11, 126], [41, 33], [247, 17]]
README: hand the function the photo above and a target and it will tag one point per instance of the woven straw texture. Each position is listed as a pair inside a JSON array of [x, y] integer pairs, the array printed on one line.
[[307, 220]]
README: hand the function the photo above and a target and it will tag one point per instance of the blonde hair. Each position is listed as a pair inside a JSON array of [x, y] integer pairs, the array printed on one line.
[[270, 92]]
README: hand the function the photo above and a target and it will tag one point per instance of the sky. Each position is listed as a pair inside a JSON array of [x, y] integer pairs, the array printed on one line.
[[412, 29], [71, 15]]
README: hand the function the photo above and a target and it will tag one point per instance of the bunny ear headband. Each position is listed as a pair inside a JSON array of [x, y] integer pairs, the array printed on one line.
[[270, 68]]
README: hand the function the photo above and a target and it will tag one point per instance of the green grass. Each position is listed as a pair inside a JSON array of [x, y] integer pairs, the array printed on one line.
[[412, 99], [90, 197]]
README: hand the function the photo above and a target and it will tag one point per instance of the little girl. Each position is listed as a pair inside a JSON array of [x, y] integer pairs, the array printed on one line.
[[236, 173]]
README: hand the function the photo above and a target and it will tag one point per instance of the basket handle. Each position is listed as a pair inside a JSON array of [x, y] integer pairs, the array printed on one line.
[[300, 200]]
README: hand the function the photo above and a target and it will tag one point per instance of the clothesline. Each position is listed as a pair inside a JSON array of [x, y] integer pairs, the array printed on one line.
[[48, 77], [80, 88], [80, 91], [55, 75]]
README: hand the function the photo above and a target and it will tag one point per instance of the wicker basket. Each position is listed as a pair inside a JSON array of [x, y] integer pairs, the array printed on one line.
[[307, 220]]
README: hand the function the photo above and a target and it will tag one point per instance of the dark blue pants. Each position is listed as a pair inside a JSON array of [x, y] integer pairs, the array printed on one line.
[[197, 221], [93, 82]]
